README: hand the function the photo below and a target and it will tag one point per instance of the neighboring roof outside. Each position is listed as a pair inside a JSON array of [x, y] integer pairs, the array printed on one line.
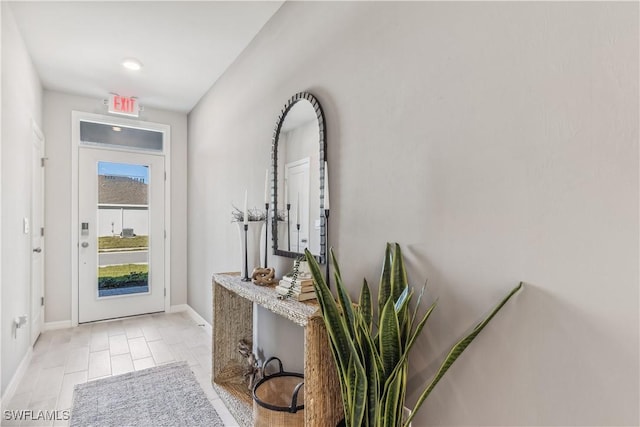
[[121, 190]]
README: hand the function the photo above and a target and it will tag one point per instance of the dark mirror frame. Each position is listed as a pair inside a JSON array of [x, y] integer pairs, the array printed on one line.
[[322, 143]]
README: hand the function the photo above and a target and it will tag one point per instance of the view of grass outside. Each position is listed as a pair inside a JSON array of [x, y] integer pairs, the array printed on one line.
[[123, 276], [123, 244]]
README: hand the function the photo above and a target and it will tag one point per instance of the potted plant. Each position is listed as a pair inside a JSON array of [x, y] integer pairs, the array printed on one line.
[[371, 350]]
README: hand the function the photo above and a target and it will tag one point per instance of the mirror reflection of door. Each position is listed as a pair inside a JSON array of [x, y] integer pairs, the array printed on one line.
[[297, 176]]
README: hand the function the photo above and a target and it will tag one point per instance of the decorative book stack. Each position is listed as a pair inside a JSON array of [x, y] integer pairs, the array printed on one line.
[[300, 288]]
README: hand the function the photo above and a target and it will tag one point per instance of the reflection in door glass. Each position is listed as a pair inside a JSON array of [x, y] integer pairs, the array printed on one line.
[[123, 229]]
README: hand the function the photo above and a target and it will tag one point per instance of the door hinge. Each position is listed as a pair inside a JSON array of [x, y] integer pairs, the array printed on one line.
[[165, 234], [165, 176], [41, 231], [42, 301], [165, 292], [42, 159]]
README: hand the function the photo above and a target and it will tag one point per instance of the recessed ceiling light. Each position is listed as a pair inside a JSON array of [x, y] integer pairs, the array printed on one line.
[[132, 64], [116, 129]]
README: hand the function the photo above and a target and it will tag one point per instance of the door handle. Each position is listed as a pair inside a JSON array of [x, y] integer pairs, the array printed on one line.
[[85, 244], [37, 250]]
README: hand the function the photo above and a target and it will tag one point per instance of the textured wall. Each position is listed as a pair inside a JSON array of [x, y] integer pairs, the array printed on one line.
[[497, 142]]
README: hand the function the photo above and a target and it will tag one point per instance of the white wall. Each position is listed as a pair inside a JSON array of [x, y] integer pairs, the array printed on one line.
[[497, 142], [21, 104], [57, 128]]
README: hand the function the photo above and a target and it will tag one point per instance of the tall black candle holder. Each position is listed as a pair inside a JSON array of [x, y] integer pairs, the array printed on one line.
[[326, 245], [246, 277], [298, 238], [266, 230], [288, 227]]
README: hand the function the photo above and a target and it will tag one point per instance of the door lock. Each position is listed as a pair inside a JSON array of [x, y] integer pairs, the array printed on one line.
[[85, 244], [37, 250]]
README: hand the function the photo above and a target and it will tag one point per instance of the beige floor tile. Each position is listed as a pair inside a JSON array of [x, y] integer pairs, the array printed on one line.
[[78, 360], [66, 391], [40, 411], [118, 344], [115, 328], [99, 340], [19, 402], [133, 331], [202, 355], [145, 363], [82, 339], [29, 378], [48, 384], [151, 333], [56, 356], [99, 364], [182, 353], [139, 349], [160, 352], [121, 364]]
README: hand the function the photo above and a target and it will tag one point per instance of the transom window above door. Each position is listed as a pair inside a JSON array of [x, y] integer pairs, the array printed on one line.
[[107, 135]]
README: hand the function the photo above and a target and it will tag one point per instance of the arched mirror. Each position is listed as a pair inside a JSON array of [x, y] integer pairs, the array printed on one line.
[[299, 154]]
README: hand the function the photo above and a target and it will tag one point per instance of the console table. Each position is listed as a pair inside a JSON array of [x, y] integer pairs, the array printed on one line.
[[233, 320]]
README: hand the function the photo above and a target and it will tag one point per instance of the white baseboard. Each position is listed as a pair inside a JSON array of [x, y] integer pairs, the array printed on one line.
[[17, 377], [194, 315], [178, 308], [62, 324]]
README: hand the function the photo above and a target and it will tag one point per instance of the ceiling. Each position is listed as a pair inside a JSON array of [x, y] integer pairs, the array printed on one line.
[[78, 47]]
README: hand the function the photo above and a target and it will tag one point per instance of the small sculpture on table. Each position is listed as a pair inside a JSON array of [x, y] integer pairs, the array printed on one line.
[[253, 372], [263, 276]]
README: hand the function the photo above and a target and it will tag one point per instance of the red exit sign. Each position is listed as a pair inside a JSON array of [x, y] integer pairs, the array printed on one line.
[[123, 105]]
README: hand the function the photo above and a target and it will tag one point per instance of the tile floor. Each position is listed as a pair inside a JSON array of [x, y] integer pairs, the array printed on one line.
[[66, 357]]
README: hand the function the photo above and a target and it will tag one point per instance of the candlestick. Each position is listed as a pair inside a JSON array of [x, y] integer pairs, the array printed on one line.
[[266, 227], [288, 227], [266, 187], [326, 186], [246, 212], [326, 247], [298, 209], [246, 277], [286, 193]]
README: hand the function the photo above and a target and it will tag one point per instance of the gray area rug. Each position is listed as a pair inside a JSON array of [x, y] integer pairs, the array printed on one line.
[[167, 395]]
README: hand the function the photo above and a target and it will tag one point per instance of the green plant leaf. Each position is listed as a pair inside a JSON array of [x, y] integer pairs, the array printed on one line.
[[347, 356], [399, 279], [366, 305], [334, 322], [418, 329], [334, 262], [346, 304], [391, 397], [373, 367], [389, 338], [457, 350], [384, 290]]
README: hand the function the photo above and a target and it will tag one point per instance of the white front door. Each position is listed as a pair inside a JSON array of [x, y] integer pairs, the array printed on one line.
[[121, 233], [37, 234]]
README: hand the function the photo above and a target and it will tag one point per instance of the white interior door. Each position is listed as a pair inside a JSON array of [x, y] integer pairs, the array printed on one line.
[[121, 234], [297, 176], [37, 235]]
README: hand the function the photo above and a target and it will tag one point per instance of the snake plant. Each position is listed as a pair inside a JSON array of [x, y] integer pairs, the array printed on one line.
[[371, 350]]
